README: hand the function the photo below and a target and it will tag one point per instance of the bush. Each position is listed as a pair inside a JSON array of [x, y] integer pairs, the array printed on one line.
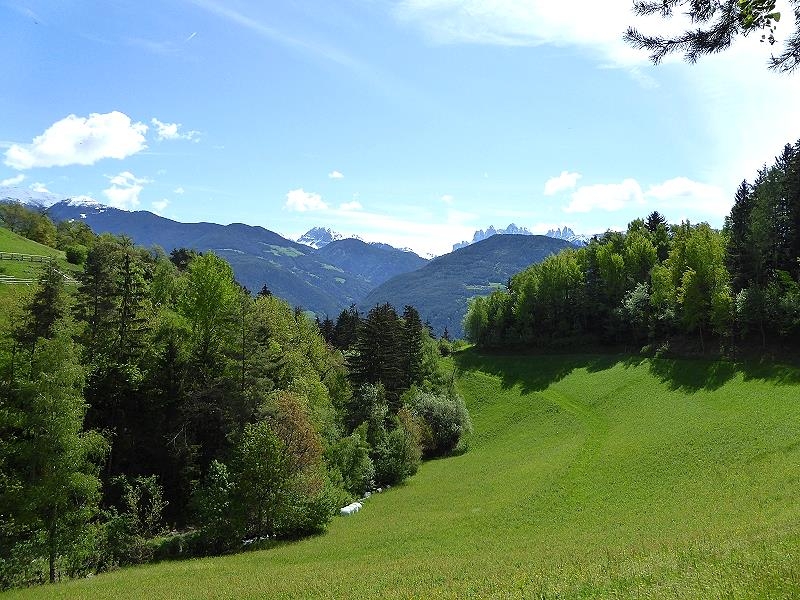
[[76, 254], [350, 458], [212, 503], [398, 455], [445, 421], [130, 525]]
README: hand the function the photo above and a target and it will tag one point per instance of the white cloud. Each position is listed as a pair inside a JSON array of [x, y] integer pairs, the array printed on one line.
[[597, 25], [179, 190], [335, 175], [606, 196], [684, 194], [39, 187], [353, 205], [679, 197], [160, 206], [422, 230], [80, 141], [124, 191], [16, 180], [565, 181], [171, 131], [301, 201], [447, 199]]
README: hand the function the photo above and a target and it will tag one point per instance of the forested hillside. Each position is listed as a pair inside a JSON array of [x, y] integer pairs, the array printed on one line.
[[440, 290], [155, 409], [686, 286]]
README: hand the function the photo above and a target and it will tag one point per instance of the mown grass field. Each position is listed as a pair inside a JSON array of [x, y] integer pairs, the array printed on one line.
[[14, 296], [586, 477]]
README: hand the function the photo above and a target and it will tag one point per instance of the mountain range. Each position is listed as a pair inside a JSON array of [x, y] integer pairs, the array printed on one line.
[[323, 271], [324, 281]]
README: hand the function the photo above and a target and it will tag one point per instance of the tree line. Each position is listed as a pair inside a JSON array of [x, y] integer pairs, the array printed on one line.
[[658, 285], [162, 410]]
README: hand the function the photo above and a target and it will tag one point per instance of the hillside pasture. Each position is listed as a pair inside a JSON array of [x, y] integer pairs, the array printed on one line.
[[586, 477]]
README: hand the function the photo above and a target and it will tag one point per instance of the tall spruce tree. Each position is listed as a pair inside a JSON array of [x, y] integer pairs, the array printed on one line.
[[379, 353], [413, 338]]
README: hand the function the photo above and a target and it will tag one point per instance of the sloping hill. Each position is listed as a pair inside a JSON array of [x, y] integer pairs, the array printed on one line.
[[440, 290], [375, 263], [324, 284], [16, 269], [586, 477]]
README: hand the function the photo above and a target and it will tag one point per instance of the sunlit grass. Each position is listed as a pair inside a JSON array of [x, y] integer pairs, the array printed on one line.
[[586, 477]]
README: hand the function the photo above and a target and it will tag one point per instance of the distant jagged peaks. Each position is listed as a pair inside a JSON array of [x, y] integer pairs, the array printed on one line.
[[563, 233], [483, 234]]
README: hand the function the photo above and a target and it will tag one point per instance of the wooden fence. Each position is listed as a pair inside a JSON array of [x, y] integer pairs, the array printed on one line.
[[25, 257]]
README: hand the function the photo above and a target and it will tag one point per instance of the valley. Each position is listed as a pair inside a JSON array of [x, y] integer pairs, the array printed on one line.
[[587, 476]]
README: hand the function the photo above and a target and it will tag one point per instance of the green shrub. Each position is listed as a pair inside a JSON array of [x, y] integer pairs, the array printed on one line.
[[398, 455], [445, 421], [350, 458], [134, 521], [212, 503], [76, 254]]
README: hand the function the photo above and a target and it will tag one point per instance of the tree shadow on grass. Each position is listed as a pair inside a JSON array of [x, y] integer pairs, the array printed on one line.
[[705, 374], [536, 372]]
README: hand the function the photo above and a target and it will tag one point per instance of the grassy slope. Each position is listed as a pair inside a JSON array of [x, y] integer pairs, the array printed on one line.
[[586, 477], [13, 296]]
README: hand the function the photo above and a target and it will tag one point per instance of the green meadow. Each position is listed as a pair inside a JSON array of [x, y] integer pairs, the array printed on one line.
[[13, 296], [586, 477]]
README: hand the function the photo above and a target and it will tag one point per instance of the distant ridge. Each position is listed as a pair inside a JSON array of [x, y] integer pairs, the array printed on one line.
[[324, 284], [440, 289]]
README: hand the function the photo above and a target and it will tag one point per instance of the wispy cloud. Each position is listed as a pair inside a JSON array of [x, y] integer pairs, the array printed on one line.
[[16, 180], [383, 82], [335, 175], [302, 201], [352, 205], [171, 131], [125, 189], [565, 181], [317, 49], [160, 206]]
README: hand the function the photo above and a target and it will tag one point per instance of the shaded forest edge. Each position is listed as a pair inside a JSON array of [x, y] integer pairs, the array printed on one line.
[[159, 410]]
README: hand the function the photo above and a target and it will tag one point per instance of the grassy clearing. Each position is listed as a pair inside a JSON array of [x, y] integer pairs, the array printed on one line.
[[11, 242], [587, 477]]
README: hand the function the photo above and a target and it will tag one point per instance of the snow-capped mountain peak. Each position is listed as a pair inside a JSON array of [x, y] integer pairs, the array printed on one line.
[[318, 237], [29, 197]]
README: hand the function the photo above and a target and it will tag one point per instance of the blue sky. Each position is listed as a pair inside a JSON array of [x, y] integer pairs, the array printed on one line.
[[412, 122]]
